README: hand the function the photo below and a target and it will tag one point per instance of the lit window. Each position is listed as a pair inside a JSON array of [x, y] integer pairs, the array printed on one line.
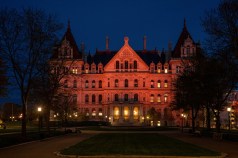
[[165, 83], [100, 112], [158, 98], [152, 98], [152, 84], [166, 70], [93, 112], [158, 70], [158, 84], [75, 70], [86, 71], [166, 98]]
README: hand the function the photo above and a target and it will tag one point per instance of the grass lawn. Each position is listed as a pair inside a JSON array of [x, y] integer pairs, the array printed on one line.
[[135, 144]]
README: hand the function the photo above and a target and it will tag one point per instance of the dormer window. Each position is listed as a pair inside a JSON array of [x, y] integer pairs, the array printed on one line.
[[100, 68], [166, 67], [159, 67], [152, 67], [93, 68], [75, 70]]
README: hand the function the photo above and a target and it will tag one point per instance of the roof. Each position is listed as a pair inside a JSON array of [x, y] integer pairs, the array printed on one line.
[[147, 56], [183, 36], [69, 37]]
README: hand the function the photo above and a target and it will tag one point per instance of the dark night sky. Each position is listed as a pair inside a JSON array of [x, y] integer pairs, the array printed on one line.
[[92, 20]]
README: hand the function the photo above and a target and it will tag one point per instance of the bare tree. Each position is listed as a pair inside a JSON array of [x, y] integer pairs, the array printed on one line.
[[3, 78], [221, 24], [26, 37]]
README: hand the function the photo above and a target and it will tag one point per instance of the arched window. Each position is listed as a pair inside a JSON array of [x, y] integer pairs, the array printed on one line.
[[126, 97], [136, 97], [116, 83], [126, 65], [165, 84], [135, 64], [100, 98], [152, 84], [86, 98], [159, 98], [100, 84], [117, 65], [93, 84], [75, 84], [126, 82], [152, 98], [135, 83], [116, 97], [93, 98], [159, 84], [65, 83], [166, 98], [86, 84]]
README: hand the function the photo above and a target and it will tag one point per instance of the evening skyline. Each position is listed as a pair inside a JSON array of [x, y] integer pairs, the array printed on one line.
[[92, 20]]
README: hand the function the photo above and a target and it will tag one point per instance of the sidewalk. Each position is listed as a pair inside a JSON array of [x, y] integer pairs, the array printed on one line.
[[228, 147]]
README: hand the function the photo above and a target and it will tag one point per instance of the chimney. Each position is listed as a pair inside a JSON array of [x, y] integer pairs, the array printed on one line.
[[107, 43], [144, 43]]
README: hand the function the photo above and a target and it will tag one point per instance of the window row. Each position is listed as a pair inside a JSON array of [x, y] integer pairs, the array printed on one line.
[[126, 65], [116, 83], [159, 97], [126, 98]]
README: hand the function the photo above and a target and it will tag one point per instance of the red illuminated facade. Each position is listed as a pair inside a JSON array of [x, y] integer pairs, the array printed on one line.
[[121, 86]]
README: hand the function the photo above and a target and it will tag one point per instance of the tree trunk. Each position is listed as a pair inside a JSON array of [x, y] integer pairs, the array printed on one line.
[[193, 120], [218, 122], [23, 123], [208, 118]]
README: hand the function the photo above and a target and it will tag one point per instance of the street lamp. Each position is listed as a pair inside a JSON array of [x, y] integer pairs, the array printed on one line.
[[39, 109], [229, 117], [182, 116]]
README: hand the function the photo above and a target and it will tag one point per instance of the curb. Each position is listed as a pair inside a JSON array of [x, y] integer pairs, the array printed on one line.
[[223, 155]]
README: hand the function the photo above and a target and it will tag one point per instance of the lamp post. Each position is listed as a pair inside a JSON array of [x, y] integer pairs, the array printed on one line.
[[182, 116], [39, 109], [229, 117]]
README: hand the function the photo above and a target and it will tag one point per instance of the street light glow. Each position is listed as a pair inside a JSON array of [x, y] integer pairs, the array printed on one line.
[[39, 109]]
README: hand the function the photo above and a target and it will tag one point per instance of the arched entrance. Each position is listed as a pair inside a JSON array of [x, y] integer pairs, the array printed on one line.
[[116, 113], [136, 113], [126, 113]]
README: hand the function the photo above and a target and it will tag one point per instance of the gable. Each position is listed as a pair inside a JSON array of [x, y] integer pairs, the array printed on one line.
[[126, 55]]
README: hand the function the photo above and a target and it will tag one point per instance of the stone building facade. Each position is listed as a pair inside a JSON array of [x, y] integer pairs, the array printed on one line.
[[122, 86]]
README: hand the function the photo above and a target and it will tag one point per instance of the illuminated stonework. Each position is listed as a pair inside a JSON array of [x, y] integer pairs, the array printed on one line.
[[121, 86]]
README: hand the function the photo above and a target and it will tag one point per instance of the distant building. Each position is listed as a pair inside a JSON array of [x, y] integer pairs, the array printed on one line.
[[121, 86]]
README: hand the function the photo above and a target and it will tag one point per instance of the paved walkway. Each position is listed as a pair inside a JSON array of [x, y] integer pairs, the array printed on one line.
[[46, 148], [228, 147], [43, 149]]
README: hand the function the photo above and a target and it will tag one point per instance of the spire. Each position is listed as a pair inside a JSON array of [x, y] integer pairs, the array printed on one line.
[[184, 23], [68, 29]]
